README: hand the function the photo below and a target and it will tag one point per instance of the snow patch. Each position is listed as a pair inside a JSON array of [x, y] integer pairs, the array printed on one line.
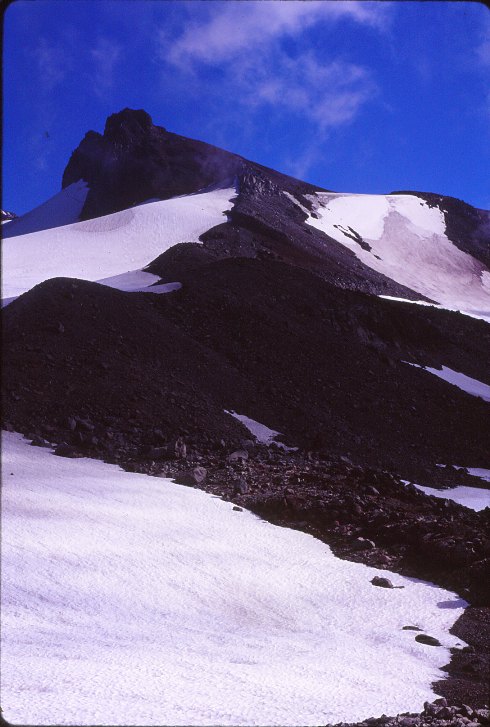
[[62, 209], [127, 599], [474, 498], [137, 281], [406, 241], [107, 246], [463, 382], [262, 434]]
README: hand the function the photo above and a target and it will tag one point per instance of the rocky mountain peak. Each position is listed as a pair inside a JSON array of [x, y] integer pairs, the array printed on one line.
[[135, 160], [128, 125]]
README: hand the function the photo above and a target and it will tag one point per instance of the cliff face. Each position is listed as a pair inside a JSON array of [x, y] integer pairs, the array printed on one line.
[[134, 160]]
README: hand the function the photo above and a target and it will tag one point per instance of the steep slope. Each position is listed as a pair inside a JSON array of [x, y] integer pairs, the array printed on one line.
[[325, 367]]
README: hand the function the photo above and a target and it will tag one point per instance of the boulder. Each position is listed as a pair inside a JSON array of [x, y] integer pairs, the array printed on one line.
[[429, 640], [382, 582], [192, 478], [240, 455]]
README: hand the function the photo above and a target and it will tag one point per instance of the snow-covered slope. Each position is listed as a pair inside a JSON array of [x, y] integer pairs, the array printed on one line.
[[108, 246], [403, 238], [62, 209], [131, 600]]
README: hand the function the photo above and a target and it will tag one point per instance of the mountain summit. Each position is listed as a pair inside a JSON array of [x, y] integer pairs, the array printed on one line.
[[271, 298], [134, 160]]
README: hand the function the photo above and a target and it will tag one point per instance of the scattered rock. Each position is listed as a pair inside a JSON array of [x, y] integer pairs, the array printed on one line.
[[429, 640]]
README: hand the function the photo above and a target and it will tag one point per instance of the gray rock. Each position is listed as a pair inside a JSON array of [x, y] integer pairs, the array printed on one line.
[[429, 640], [192, 478], [409, 721], [66, 450], [382, 582], [247, 444], [85, 425], [240, 486], [38, 441], [363, 544], [237, 456], [180, 448]]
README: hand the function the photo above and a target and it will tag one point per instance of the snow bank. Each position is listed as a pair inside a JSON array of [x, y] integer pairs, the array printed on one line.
[[408, 244], [131, 600], [463, 382], [109, 246], [483, 315], [262, 434], [471, 497], [62, 209], [137, 281]]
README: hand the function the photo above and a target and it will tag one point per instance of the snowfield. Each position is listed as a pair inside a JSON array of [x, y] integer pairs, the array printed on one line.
[[128, 599], [62, 209], [260, 432], [475, 498], [408, 243], [456, 378], [108, 246]]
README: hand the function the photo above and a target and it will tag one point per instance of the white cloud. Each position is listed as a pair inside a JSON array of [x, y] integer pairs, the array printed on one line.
[[237, 27], [243, 42], [327, 94], [52, 64], [105, 56], [483, 48]]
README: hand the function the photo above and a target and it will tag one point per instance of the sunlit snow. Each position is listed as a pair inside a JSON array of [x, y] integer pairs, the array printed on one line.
[[127, 599], [463, 382], [109, 246], [262, 434], [408, 244], [475, 498], [137, 281]]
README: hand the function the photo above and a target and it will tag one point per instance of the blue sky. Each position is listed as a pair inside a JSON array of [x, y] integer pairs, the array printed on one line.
[[365, 97]]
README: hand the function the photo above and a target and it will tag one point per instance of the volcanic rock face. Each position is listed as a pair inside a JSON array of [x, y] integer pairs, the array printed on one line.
[[134, 161]]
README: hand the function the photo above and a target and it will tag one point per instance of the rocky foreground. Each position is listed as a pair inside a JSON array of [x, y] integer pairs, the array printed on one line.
[[436, 714]]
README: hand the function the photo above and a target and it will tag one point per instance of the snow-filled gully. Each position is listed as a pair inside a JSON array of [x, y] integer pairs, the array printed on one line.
[[128, 599]]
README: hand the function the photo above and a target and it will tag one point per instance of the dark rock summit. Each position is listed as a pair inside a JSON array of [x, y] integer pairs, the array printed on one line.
[[134, 160]]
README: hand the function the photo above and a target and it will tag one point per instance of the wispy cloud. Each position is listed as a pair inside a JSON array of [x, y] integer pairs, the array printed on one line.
[[482, 49], [52, 64], [246, 44], [233, 28], [105, 56]]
